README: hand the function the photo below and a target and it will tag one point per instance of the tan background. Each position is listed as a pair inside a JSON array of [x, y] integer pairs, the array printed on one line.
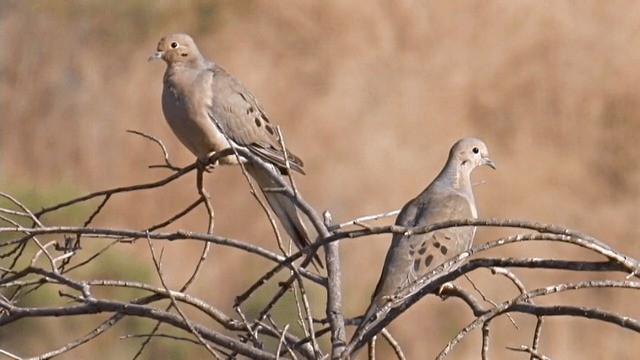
[[371, 95]]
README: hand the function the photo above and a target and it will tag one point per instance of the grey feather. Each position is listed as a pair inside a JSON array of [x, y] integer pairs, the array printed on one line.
[[207, 108], [448, 197]]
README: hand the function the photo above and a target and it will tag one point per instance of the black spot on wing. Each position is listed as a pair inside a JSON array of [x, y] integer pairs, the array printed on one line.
[[258, 122], [270, 129], [428, 261], [416, 265], [444, 250]]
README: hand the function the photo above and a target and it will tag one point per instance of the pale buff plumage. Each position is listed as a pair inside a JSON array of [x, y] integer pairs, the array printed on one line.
[[204, 106], [448, 197]]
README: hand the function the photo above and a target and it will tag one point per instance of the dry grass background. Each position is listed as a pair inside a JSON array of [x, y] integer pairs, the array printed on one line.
[[371, 95]]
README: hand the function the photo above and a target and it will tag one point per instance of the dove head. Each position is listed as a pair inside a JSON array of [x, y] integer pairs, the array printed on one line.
[[469, 153], [177, 48]]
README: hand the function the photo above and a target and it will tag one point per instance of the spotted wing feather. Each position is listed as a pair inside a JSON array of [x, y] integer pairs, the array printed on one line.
[[239, 115], [412, 256]]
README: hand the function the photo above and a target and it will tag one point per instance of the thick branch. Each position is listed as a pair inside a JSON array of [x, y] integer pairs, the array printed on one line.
[[180, 235], [93, 306]]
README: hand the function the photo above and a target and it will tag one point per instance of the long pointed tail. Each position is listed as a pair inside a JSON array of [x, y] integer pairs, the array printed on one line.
[[284, 209], [367, 318]]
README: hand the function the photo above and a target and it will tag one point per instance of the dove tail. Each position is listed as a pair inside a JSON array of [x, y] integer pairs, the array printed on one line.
[[367, 318], [284, 209]]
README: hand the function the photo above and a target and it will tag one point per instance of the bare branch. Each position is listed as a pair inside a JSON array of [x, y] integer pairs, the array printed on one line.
[[394, 344], [486, 333], [165, 153], [362, 219], [180, 338], [516, 304], [534, 354], [536, 335], [334, 300], [188, 323], [84, 339], [308, 316], [433, 280], [180, 235], [36, 262], [8, 354], [111, 192]]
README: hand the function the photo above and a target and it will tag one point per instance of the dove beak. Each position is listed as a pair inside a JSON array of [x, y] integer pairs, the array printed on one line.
[[156, 56], [489, 162]]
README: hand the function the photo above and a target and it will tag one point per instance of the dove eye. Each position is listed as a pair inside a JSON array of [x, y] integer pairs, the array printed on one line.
[[174, 45], [475, 150]]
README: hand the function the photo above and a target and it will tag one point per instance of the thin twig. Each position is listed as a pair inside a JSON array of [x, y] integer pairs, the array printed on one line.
[[24, 208], [393, 343], [168, 336], [362, 219], [308, 314], [485, 298], [8, 354], [537, 333], [534, 354], [334, 300], [205, 197], [281, 342], [301, 345], [179, 235], [371, 348], [92, 257], [248, 327], [82, 340], [118, 190], [516, 304], [486, 331], [158, 267], [165, 153], [177, 216]]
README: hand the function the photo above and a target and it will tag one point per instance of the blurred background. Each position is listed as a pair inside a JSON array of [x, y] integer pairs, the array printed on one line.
[[371, 95]]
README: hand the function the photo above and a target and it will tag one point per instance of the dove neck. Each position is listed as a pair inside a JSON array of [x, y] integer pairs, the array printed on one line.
[[454, 176], [196, 61]]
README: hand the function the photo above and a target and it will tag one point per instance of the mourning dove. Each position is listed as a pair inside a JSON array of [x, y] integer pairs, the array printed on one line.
[[448, 197], [204, 106]]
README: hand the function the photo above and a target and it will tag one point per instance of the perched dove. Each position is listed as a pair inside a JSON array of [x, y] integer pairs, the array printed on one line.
[[448, 197], [204, 105]]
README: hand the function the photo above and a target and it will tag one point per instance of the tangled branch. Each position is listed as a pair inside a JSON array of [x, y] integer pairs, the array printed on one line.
[[38, 258]]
